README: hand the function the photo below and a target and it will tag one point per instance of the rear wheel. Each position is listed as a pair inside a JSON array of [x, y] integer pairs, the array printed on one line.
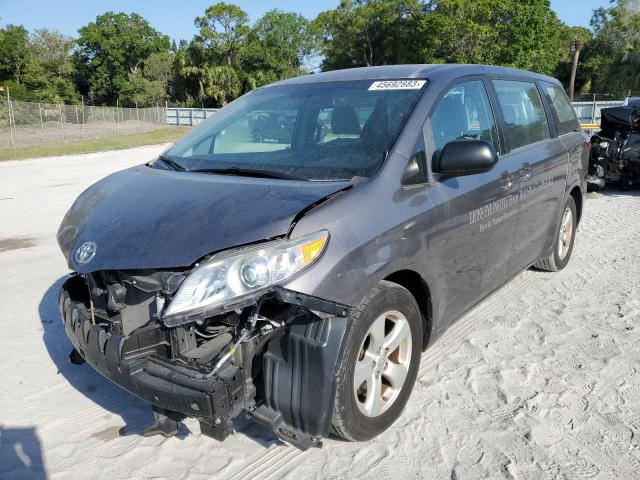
[[379, 364], [565, 237]]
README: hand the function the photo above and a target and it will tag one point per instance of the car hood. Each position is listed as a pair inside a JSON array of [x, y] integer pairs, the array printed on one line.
[[149, 218]]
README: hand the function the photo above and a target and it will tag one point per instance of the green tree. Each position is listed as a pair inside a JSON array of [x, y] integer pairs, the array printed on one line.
[[277, 47], [370, 32], [223, 28], [49, 69], [37, 67], [613, 55], [223, 84], [14, 41], [113, 47], [192, 64], [150, 85], [574, 40], [522, 34]]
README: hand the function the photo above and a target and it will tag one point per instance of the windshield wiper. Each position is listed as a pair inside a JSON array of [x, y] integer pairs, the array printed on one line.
[[172, 163], [248, 172]]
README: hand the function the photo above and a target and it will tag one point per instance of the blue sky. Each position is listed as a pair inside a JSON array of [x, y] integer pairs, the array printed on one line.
[[176, 18]]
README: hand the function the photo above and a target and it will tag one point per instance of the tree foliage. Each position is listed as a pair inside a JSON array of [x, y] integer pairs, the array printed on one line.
[[360, 33], [613, 57], [113, 47], [277, 47], [37, 67], [524, 34], [14, 48], [223, 28]]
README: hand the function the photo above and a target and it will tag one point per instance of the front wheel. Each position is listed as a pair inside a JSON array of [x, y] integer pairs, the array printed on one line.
[[379, 364], [565, 237]]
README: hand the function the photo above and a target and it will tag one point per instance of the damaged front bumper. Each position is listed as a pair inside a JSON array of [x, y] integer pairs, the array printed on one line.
[[284, 378]]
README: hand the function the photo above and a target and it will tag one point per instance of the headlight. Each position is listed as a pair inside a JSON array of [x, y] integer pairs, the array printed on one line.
[[231, 275]]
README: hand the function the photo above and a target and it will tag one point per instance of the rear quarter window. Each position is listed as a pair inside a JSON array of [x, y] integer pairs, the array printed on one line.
[[562, 109], [524, 115]]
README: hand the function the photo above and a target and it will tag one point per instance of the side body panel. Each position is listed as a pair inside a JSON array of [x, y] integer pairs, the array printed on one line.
[[476, 220], [541, 188]]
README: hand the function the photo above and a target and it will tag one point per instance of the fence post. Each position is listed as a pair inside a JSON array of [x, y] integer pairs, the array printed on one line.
[[138, 119], [82, 100], [77, 119], [191, 117], [61, 121], [10, 110], [117, 126], [593, 111], [178, 116], [41, 122], [10, 114]]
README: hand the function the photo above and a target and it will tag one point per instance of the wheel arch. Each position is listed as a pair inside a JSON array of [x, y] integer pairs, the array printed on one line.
[[418, 287], [576, 193]]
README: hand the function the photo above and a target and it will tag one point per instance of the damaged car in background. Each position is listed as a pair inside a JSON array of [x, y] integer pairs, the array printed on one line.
[[294, 275], [615, 149]]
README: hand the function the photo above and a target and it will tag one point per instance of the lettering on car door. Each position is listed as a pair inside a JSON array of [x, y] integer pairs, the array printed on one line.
[[474, 228], [542, 168]]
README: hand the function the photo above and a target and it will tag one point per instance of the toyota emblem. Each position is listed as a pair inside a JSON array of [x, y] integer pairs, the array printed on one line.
[[86, 252]]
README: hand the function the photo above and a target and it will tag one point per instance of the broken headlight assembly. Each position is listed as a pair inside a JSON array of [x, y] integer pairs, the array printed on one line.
[[228, 277]]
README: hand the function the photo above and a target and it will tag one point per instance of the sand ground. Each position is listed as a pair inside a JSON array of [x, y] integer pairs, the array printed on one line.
[[540, 381]]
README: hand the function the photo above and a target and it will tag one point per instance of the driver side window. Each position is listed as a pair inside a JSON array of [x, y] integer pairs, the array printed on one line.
[[464, 112]]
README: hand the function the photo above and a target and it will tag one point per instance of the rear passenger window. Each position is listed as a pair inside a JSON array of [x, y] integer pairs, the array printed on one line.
[[565, 115], [526, 121], [464, 112]]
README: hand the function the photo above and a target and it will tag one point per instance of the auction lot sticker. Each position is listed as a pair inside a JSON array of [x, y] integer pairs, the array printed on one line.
[[397, 85]]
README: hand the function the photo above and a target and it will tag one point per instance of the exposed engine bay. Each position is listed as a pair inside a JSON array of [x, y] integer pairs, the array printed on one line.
[[615, 149], [259, 360]]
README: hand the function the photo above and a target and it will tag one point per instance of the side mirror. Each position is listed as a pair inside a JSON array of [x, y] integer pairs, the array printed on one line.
[[465, 157]]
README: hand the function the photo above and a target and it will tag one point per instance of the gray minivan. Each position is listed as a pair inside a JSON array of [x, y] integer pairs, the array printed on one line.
[[290, 258]]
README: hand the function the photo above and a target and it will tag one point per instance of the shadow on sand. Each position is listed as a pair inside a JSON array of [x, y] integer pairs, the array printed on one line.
[[20, 454], [615, 191], [135, 413]]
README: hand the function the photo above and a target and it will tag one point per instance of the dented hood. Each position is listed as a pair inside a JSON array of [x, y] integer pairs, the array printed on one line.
[[152, 218]]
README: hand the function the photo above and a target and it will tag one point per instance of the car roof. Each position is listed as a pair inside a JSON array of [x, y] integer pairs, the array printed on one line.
[[393, 72]]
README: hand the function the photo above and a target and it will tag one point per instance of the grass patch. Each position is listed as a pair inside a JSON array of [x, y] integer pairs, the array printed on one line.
[[162, 135]]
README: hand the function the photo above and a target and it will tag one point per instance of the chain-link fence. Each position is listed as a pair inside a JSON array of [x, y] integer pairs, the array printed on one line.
[[26, 123]]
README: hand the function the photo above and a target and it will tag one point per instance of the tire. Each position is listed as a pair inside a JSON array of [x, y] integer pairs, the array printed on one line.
[[557, 261], [396, 309]]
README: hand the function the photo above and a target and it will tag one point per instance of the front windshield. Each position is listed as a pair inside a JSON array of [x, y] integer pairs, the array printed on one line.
[[317, 131]]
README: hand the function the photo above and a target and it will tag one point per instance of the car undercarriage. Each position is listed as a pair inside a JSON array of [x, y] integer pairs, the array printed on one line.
[[272, 358]]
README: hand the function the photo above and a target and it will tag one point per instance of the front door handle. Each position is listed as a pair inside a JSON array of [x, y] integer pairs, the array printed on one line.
[[506, 181], [525, 172]]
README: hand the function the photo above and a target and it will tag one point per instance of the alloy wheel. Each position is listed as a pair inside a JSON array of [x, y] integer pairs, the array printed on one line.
[[566, 232], [382, 364]]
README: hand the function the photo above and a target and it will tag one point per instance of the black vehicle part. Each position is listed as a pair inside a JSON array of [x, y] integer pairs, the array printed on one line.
[[614, 118], [76, 358], [206, 352], [615, 150], [165, 423], [312, 303], [142, 372], [298, 379], [285, 367]]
